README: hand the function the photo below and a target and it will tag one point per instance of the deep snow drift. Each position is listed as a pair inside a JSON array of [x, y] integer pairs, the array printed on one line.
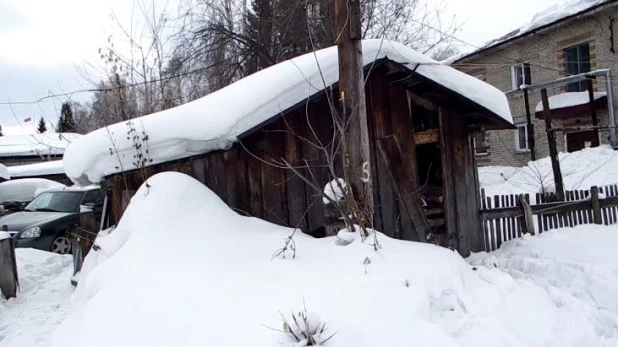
[[42, 302], [580, 170], [194, 273]]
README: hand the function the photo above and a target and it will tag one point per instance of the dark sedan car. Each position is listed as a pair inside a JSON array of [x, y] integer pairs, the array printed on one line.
[[44, 223]]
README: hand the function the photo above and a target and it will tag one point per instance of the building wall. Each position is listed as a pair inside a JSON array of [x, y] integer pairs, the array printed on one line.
[[544, 51]]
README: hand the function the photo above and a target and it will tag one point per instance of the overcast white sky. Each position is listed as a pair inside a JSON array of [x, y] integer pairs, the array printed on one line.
[[43, 41]]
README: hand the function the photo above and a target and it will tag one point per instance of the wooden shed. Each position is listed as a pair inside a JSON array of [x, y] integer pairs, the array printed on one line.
[[431, 123]]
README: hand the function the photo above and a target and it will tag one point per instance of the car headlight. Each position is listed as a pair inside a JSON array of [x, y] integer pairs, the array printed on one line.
[[31, 233]]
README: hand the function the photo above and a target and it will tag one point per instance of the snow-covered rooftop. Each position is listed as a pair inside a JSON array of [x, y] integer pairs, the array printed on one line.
[[53, 167], [214, 121], [553, 14], [4, 172], [36, 144], [564, 100]]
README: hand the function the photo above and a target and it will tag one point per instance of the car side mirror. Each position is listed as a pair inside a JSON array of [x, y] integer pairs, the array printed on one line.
[[89, 207], [23, 205]]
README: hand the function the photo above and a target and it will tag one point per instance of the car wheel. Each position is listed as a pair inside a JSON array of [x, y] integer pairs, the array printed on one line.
[[61, 245]]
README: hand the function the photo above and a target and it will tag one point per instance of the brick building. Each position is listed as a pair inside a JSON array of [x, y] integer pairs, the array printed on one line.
[[561, 41]]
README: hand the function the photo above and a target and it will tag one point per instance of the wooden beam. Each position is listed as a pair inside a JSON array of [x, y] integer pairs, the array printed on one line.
[[423, 102], [405, 185], [553, 150], [427, 136]]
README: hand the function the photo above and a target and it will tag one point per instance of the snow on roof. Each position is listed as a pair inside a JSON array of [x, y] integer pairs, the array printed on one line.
[[214, 121], [4, 172], [35, 144], [25, 189], [53, 167], [550, 15], [571, 99]]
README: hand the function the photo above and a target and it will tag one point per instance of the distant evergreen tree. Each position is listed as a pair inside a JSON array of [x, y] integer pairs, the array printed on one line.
[[42, 126], [66, 123]]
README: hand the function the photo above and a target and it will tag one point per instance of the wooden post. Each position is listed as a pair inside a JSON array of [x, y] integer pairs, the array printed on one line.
[[8, 269], [553, 151], [529, 126], [596, 205], [593, 111], [357, 163], [528, 222]]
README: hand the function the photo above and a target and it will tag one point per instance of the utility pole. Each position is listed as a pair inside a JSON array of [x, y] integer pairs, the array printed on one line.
[[553, 151], [529, 126], [356, 153]]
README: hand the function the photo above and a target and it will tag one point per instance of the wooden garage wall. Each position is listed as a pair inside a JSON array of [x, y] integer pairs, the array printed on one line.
[[252, 187]]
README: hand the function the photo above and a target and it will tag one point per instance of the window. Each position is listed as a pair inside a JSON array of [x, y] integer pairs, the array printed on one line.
[[520, 74], [313, 11], [521, 138], [576, 61], [478, 143], [93, 196]]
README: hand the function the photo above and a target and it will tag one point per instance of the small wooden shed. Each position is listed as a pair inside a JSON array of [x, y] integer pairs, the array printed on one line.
[[430, 114]]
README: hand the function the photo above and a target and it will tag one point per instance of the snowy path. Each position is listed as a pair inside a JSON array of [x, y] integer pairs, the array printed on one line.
[[42, 303], [578, 268]]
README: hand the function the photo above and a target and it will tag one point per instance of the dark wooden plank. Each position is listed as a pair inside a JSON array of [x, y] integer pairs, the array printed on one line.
[[244, 197], [376, 99], [580, 217], [296, 199], [254, 175], [230, 165], [402, 180], [492, 233], [448, 179], [390, 105], [613, 190], [596, 206], [199, 170], [499, 237]]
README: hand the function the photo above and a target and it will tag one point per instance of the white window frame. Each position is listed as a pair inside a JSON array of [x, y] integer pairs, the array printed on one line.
[[479, 154], [518, 149], [514, 85]]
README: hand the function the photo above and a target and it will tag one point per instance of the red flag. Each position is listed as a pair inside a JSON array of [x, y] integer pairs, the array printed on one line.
[[27, 120]]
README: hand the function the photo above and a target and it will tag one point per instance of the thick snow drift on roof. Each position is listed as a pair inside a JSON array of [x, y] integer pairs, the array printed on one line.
[[580, 170], [4, 172], [149, 286], [53, 167], [25, 189], [36, 144], [564, 100], [550, 15], [214, 121]]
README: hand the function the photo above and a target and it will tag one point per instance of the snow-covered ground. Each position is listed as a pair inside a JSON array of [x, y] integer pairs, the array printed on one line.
[[580, 170], [195, 273], [42, 302]]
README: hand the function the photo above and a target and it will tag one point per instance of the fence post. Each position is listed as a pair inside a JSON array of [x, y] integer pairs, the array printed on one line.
[[8, 268], [528, 223], [596, 206]]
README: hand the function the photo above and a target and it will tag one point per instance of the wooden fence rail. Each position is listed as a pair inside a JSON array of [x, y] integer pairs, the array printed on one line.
[[506, 217]]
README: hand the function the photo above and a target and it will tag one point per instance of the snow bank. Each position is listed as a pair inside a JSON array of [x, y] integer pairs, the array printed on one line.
[[36, 144], [4, 172], [25, 189], [578, 268], [42, 301], [580, 170], [53, 167], [214, 121], [194, 273], [564, 100]]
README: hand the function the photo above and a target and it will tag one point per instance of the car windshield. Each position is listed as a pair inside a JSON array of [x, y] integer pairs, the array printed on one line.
[[60, 201]]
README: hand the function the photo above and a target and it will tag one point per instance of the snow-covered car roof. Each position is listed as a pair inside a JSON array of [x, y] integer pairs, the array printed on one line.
[[35, 144], [53, 167], [25, 189], [552, 15], [215, 121]]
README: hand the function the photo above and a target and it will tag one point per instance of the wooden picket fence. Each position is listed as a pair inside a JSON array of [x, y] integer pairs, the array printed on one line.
[[506, 217]]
